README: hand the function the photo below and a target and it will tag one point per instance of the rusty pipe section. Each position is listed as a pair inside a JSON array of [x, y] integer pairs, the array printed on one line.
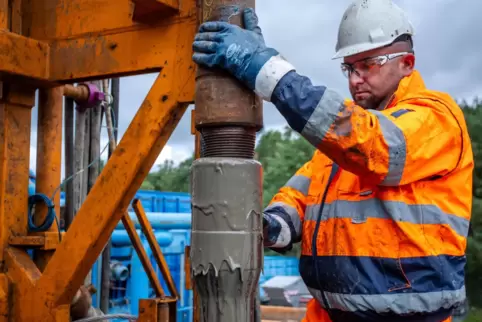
[[78, 93], [86, 95], [228, 114], [226, 188]]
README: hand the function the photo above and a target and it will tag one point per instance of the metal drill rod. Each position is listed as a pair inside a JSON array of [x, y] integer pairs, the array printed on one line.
[[226, 188]]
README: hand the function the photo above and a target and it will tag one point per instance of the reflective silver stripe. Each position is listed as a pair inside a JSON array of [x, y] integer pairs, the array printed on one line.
[[300, 183], [294, 215], [270, 75], [359, 211], [397, 149], [325, 113], [284, 237], [398, 303]]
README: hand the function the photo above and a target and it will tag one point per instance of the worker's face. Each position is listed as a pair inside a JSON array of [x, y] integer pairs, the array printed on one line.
[[372, 84]]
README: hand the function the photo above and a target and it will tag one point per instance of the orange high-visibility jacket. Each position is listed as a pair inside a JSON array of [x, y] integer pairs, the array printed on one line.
[[384, 235]]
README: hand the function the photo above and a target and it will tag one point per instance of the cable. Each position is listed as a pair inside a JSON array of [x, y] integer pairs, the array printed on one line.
[[79, 172], [49, 219], [109, 317]]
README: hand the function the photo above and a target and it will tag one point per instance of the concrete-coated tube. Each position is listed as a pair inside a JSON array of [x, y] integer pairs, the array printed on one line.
[[226, 245]]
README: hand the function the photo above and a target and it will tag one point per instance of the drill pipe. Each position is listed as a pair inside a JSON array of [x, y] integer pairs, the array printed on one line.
[[226, 188], [228, 114], [226, 244]]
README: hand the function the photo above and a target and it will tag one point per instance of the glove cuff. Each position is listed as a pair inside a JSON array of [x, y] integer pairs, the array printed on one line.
[[269, 76]]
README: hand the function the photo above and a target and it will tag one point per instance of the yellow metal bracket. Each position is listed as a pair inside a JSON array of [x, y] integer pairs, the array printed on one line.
[[44, 240], [50, 42]]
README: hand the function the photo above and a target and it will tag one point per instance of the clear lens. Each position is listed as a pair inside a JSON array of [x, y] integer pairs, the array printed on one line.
[[345, 70]]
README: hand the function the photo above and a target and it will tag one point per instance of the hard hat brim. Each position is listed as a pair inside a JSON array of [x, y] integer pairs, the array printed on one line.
[[359, 48]]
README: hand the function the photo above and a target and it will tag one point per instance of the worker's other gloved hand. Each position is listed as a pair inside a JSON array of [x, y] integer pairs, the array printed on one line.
[[242, 52]]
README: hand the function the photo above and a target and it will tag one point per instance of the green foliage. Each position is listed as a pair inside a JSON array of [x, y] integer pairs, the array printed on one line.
[[169, 177], [475, 315], [473, 117], [281, 155]]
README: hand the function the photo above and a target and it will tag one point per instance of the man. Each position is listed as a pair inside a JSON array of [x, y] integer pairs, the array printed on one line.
[[382, 209]]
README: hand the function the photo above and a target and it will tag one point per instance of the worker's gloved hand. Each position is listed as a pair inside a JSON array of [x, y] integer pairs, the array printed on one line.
[[242, 52]]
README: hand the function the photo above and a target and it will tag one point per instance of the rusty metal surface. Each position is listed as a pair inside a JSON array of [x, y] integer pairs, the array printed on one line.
[[154, 310], [43, 241], [23, 56], [24, 274], [49, 160], [15, 121], [108, 199], [143, 257], [78, 93], [27, 241], [113, 55], [220, 98], [82, 302], [60, 19], [228, 142], [102, 40], [151, 11], [100, 34], [156, 250], [4, 297]]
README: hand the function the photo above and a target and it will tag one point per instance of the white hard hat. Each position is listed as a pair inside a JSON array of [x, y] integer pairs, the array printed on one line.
[[370, 24]]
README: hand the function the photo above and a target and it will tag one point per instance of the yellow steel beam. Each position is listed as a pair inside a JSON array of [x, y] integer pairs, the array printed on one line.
[[68, 19], [49, 160], [84, 40], [109, 198], [148, 232], [23, 56], [127, 53], [150, 11], [23, 274], [15, 122], [117, 184], [130, 227], [102, 40]]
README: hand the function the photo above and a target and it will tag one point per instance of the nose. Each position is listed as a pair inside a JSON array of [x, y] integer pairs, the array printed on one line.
[[355, 79]]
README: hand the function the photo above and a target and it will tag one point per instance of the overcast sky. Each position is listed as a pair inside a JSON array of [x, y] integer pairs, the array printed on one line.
[[447, 44]]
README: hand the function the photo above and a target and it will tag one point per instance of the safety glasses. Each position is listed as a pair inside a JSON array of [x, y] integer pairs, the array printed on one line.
[[368, 65]]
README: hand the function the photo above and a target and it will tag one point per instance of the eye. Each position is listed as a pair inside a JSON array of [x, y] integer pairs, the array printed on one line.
[[372, 62]]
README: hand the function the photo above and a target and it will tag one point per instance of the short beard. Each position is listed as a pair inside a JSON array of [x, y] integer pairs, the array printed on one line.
[[371, 103]]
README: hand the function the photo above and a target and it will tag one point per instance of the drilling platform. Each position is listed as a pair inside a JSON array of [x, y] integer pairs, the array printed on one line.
[[60, 49]]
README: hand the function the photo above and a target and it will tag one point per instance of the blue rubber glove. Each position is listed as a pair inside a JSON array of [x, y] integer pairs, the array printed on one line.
[[241, 52]]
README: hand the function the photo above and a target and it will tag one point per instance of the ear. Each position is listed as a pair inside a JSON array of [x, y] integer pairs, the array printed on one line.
[[407, 64]]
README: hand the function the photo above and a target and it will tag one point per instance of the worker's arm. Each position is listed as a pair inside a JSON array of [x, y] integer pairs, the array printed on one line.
[[383, 148], [420, 140], [282, 219]]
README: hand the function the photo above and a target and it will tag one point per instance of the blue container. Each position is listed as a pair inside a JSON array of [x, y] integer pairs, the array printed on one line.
[[157, 201], [279, 265], [161, 201], [138, 286], [162, 220]]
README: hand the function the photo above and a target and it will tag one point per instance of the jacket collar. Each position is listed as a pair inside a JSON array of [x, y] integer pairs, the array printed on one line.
[[408, 85]]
